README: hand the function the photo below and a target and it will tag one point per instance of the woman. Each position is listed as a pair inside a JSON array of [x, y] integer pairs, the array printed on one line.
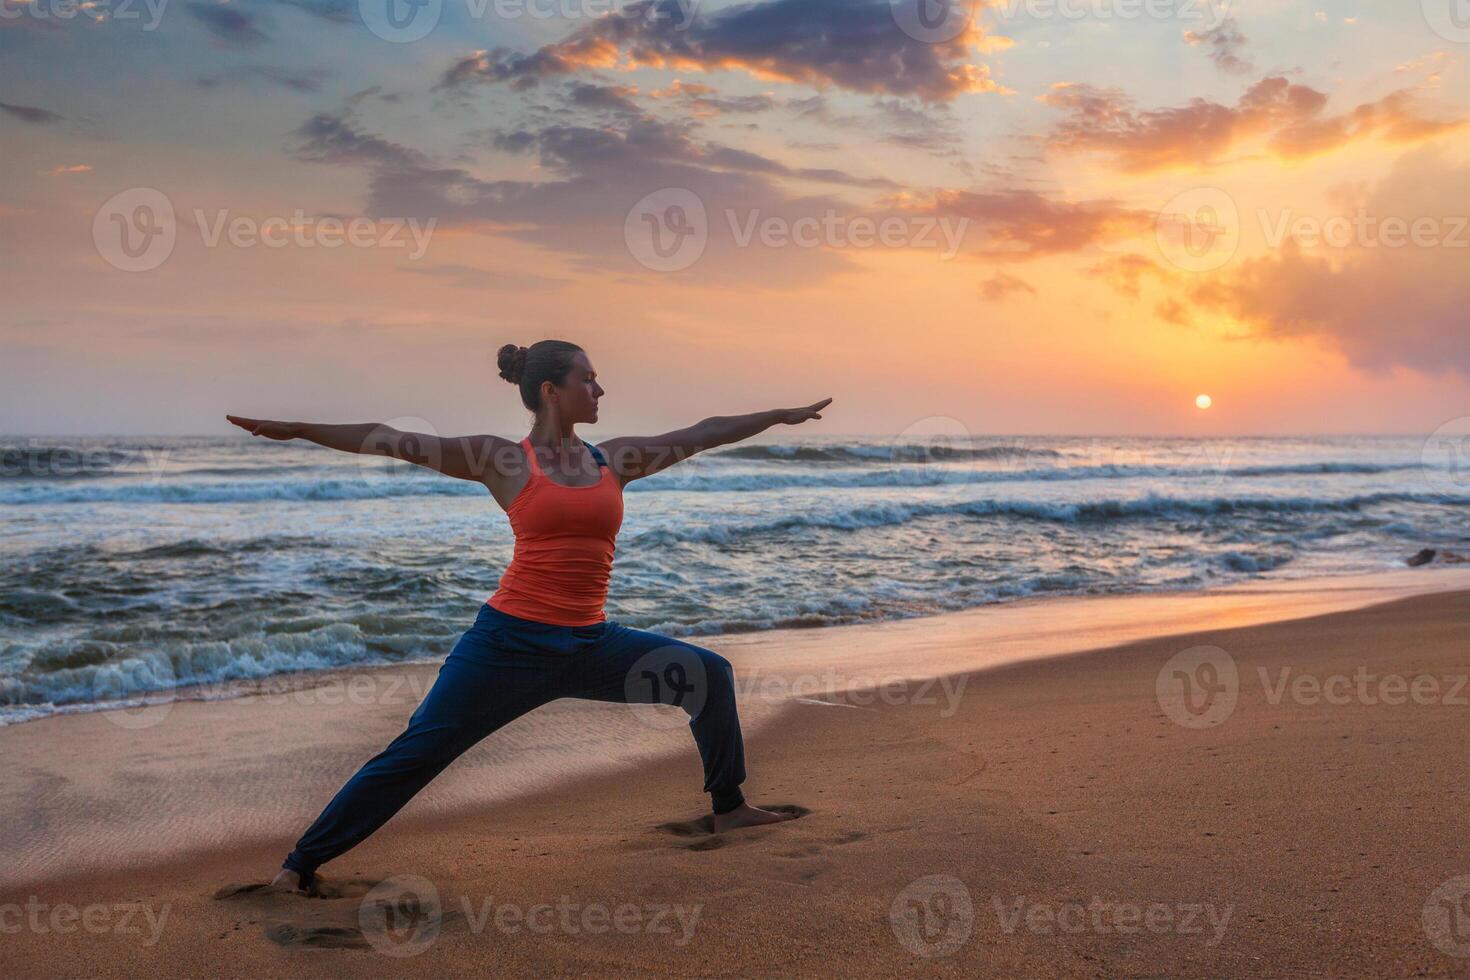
[[543, 635]]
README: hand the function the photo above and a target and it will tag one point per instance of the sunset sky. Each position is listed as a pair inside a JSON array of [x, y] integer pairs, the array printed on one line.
[[1121, 180]]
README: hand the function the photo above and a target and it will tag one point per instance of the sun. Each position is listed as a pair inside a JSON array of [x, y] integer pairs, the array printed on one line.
[[1203, 402]]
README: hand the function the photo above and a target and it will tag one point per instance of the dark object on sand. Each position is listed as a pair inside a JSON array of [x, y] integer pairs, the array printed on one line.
[[1422, 558]]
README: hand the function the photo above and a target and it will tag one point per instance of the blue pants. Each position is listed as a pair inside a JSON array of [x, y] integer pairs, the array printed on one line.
[[505, 666]]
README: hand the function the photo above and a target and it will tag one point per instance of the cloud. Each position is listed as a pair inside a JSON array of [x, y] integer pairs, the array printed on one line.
[[1381, 298], [1002, 285], [1173, 311], [76, 168], [1289, 118], [1224, 42], [704, 100], [468, 277], [614, 98], [915, 127], [236, 27], [1434, 61], [308, 80], [1381, 314], [1394, 118], [1384, 301], [327, 138], [591, 180], [333, 11], [851, 44], [898, 122], [645, 139], [522, 71], [227, 24], [516, 141], [1125, 273], [30, 114], [1022, 224]]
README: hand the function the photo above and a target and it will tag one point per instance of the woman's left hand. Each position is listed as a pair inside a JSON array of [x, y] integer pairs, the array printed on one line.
[[795, 416]]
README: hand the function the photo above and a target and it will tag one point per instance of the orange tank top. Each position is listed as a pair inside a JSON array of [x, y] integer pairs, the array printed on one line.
[[564, 547]]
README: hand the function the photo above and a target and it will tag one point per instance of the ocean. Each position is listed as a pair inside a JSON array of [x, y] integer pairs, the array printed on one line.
[[137, 565]]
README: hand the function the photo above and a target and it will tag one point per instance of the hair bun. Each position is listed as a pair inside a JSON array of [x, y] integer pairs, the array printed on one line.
[[512, 361]]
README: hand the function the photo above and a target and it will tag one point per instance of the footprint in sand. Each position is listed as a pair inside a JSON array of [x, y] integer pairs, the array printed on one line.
[[324, 888], [319, 937], [813, 849], [712, 843], [704, 828], [399, 915], [701, 832], [689, 828]]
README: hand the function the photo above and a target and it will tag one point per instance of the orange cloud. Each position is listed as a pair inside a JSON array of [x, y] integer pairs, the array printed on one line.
[[679, 88], [1289, 117], [1026, 225], [1125, 273], [1003, 284], [1390, 293]]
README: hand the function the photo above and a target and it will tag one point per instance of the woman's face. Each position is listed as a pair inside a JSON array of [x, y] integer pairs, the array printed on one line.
[[578, 395]]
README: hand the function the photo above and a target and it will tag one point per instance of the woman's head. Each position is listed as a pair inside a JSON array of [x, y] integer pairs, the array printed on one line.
[[553, 373]]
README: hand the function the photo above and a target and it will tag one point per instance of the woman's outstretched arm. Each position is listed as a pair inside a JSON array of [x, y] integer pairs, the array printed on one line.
[[634, 457], [462, 457]]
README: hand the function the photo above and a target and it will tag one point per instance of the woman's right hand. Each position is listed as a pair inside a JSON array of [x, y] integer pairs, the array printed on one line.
[[266, 427]]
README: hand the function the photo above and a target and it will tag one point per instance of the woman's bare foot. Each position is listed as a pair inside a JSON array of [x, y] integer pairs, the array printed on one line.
[[287, 880], [746, 815]]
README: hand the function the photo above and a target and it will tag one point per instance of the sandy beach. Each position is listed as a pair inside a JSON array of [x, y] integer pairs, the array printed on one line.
[[1041, 431], [1260, 780]]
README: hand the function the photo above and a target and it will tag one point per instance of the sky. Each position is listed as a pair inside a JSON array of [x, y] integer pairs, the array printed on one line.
[[1028, 216]]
